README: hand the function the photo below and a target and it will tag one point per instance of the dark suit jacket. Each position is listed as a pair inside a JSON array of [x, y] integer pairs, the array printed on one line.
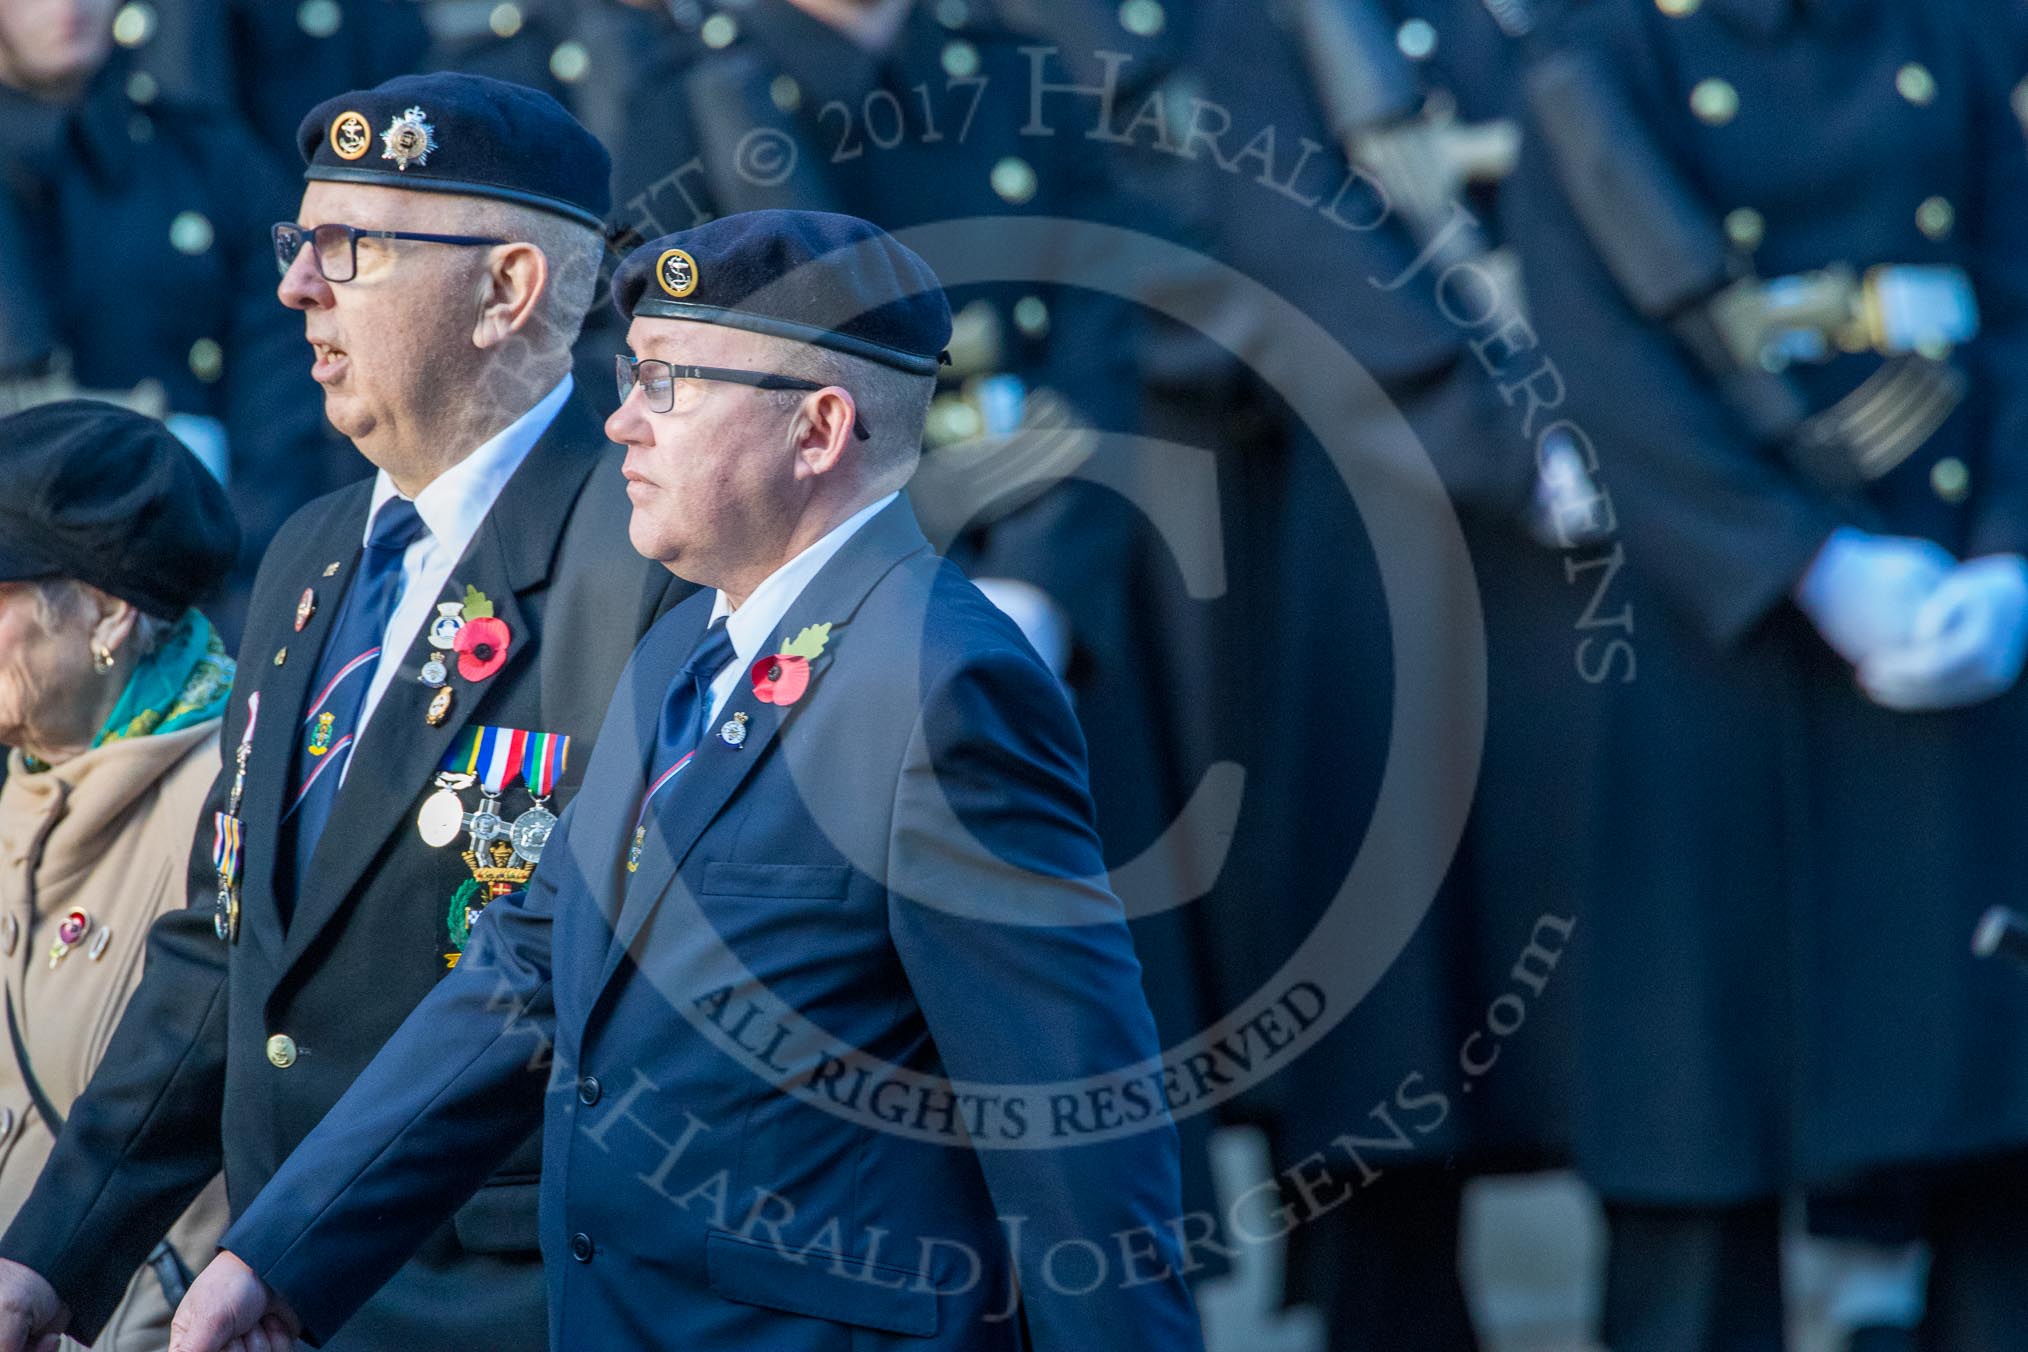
[[900, 866], [187, 1085]]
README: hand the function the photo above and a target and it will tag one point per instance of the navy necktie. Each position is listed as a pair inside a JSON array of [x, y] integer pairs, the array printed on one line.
[[331, 720], [684, 712]]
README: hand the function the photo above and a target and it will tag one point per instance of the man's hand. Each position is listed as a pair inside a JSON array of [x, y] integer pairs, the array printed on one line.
[[229, 1309], [31, 1317], [1864, 592], [1967, 644]]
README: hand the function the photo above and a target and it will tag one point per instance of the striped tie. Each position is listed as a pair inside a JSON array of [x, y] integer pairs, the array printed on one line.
[[331, 721], [684, 711]]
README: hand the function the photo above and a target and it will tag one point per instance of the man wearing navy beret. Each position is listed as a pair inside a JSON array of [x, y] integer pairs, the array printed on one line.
[[835, 1031], [427, 658]]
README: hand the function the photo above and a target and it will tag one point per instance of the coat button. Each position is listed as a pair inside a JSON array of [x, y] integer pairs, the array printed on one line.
[[1416, 39], [581, 1247], [1013, 178], [1914, 83], [588, 1090], [1745, 228], [1949, 479], [1143, 18], [1935, 217], [281, 1051], [1715, 102]]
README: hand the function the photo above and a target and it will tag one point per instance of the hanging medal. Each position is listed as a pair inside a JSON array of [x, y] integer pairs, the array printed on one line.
[[542, 765], [443, 812], [493, 757], [227, 834], [648, 802], [320, 736]]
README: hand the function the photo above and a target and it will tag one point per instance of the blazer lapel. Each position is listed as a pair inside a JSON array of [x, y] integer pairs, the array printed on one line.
[[398, 756], [703, 790], [283, 679]]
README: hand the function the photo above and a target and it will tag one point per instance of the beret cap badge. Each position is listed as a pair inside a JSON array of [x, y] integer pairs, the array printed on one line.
[[351, 135], [676, 272], [409, 139]]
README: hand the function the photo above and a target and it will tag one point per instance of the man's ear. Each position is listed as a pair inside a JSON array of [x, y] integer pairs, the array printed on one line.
[[822, 429], [514, 279]]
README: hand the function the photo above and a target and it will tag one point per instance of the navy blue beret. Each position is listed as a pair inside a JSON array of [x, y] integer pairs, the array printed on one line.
[[465, 134], [813, 276], [104, 495]]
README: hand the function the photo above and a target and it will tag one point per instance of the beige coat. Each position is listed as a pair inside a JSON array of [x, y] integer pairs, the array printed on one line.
[[108, 833]]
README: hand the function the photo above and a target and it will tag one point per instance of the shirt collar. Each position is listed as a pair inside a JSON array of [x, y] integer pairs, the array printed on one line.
[[750, 625], [458, 499]]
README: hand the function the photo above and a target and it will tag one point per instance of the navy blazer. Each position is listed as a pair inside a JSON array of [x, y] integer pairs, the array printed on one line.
[[789, 1070]]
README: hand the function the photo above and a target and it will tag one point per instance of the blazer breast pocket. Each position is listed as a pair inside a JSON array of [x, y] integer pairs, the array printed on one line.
[[789, 882]]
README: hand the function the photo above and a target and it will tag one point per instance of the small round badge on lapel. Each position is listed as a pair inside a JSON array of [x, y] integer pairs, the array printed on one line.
[[733, 734], [440, 708], [351, 135], [305, 608], [676, 272]]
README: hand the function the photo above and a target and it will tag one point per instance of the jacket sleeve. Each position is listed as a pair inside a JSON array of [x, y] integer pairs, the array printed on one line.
[[449, 1097], [1722, 528], [1020, 959], [143, 1139]]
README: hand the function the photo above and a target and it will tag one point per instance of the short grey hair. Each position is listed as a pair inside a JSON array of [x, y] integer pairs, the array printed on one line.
[[574, 252], [893, 404], [64, 606]]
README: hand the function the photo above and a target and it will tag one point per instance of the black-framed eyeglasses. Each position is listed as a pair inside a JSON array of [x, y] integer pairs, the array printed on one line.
[[337, 246], [669, 388]]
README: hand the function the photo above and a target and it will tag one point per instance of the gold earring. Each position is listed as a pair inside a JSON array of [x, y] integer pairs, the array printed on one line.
[[102, 658]]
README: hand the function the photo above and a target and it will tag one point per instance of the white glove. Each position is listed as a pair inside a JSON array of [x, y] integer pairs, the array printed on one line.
[[1863, 591], [1967, 644], [1041, 620]]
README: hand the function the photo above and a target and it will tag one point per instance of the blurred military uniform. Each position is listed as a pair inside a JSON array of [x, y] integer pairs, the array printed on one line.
[[135, 263], [1776, 987]]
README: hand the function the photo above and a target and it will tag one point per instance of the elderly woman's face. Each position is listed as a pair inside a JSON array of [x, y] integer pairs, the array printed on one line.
[[42, 673]]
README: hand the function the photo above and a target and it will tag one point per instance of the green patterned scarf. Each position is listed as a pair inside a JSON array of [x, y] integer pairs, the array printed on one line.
[[184, 681]]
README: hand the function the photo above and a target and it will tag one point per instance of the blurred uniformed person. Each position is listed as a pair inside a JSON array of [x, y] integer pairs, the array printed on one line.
[[1777, 250], [428, 656], [1310, 146], [134, 265]]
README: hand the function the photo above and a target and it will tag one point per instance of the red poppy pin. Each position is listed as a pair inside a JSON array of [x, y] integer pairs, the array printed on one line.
[[483, 642], [782, 677]]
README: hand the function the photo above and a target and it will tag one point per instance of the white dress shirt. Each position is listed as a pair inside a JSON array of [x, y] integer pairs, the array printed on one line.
[[452, 508], [751, 625]]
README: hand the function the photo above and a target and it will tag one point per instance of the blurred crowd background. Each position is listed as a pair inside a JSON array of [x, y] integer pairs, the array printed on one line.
[[1528, 499]]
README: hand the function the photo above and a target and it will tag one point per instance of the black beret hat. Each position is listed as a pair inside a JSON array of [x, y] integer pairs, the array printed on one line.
[[834, 281], [465, 134], [104, 495]]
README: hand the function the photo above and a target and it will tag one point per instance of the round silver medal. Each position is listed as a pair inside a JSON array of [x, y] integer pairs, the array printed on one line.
[[434, 673], [441, 820], [734, 732], [530, 832]]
